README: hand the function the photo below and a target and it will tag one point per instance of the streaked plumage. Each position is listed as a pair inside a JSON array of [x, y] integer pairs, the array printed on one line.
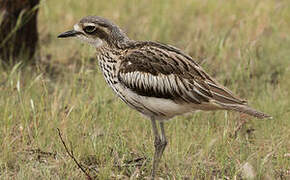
[[158, 80], [149, 71]]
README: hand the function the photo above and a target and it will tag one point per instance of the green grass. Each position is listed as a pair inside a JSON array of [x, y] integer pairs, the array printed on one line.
[[243, 44]]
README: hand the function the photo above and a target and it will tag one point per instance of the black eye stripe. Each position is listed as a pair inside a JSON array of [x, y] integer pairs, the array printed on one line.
[[103, 25]]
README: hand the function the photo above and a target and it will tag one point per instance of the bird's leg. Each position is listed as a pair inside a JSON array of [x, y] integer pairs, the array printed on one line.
[[156, 142], [159, 145], [163, 138]]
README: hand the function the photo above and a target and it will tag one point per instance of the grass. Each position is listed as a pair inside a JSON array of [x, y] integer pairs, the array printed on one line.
[[243, 44]]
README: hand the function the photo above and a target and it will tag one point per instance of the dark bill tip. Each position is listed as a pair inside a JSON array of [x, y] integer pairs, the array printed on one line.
[[71, 33]]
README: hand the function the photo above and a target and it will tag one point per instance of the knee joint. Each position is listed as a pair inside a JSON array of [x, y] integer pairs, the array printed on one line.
[[160, 143]]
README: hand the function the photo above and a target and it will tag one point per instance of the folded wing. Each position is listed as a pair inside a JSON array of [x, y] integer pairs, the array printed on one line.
[[157, 70]]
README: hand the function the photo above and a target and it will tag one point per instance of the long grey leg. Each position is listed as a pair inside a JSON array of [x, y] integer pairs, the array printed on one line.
[[159, 145], [163, 137]]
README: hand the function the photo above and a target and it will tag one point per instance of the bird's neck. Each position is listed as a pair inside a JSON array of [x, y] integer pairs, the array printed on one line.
[[117, 39], [108, 51], [116, 44]]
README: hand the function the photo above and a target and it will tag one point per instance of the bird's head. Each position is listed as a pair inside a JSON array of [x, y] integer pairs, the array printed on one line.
[[97, 31]]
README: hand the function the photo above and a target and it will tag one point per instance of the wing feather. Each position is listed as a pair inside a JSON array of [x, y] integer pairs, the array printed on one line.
[[157, 70]]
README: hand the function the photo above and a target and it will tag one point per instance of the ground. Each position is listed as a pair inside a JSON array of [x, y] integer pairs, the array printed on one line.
[[245, 45]]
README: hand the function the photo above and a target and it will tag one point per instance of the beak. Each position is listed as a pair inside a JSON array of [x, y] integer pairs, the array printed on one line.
[[71, 33]]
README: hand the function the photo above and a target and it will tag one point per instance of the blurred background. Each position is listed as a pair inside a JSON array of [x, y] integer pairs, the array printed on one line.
[[245, 45]]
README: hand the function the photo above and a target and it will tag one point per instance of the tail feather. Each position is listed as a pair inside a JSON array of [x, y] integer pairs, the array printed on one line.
[[225, 99], [243, 108]]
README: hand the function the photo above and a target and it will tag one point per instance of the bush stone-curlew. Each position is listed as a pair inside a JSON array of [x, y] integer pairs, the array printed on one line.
[[158, 80]]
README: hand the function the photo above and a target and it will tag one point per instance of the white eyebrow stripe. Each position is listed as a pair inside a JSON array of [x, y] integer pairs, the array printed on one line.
[[89, 24], [77, 28]]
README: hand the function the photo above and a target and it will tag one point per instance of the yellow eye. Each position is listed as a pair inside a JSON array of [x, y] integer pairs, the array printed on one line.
[[90, 29]]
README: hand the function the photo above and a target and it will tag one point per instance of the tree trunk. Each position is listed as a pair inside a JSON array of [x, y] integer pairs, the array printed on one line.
[[18, 30]]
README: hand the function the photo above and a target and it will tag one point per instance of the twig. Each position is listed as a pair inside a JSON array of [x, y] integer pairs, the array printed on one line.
[[71, 154]]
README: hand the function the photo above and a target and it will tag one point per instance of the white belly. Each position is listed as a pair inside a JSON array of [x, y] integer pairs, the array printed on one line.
[[159, 108], [165, 106]]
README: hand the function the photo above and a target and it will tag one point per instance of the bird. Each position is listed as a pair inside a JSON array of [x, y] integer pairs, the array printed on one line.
[[158, 80]]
